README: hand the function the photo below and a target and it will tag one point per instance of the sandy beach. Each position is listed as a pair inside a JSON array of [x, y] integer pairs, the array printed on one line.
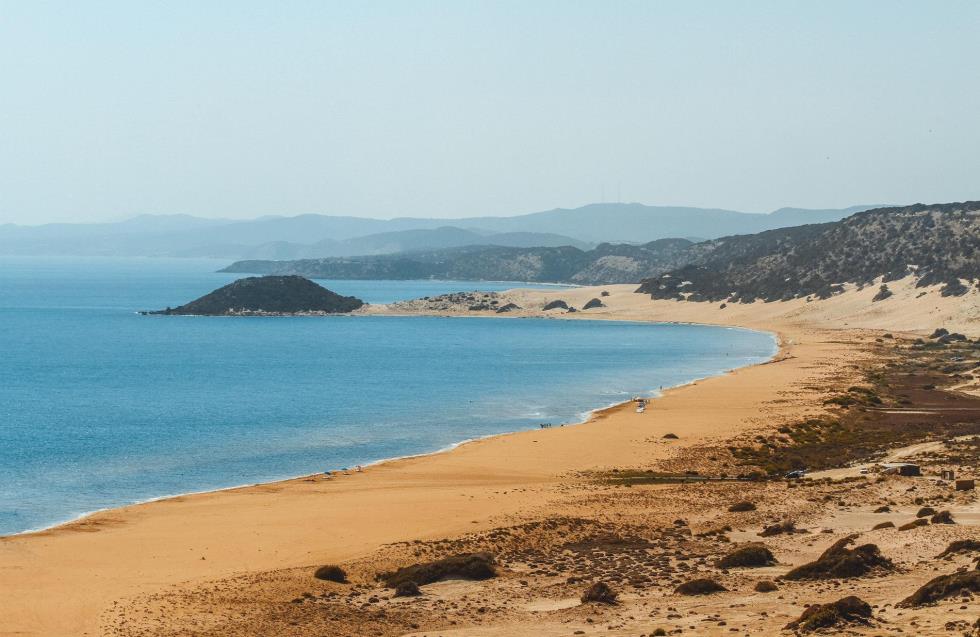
[[171, 567]]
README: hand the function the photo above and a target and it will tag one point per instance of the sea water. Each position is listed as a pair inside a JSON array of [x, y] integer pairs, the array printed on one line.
[[101, 407]]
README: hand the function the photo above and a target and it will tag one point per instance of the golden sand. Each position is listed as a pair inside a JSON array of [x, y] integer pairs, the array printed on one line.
[[67, 580]]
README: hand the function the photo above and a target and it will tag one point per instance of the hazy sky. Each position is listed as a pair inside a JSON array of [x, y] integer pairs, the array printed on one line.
[[237, 109]]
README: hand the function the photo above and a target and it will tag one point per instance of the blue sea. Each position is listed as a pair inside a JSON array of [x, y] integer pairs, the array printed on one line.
[[101, 407]]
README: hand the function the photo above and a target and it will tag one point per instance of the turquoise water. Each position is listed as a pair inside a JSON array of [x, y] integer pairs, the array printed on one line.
[[101, 407]]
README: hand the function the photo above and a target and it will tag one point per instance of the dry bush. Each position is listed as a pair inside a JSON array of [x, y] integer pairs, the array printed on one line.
[[600, 593], [961, 546], [778, 529], [942, 587], [838, 561], [407, 589], [848, 610], [700, 587], [472, 566], [750, 555], [331, 573]]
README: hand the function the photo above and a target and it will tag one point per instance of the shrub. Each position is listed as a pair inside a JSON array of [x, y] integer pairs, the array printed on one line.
[[840, 561], [700, 587], [961, 546], [600, 593], [407, 589], [750, 555], [883, 293], [778, 529], [953, 287], [942, 587], [331, 573], [846, 610], [472, 566], [593, 304]]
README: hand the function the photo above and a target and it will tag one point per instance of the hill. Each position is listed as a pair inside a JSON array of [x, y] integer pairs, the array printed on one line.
[[938, 243], [267, 295], [607, 263], [313, 235], [388, 243], [638, 223]]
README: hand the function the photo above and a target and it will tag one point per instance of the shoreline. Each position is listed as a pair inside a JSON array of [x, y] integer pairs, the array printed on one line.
[[585, 418], [245, 553]]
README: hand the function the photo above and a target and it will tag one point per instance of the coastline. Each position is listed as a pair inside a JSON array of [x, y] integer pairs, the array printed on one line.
[[87, 576], [585, 418]]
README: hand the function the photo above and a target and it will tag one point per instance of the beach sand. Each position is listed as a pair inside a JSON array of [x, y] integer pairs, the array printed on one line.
[[144, 569]]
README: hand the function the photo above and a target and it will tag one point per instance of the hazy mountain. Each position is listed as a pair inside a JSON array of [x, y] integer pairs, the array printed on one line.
[[386, 243], [938, 243], [607, 263], [637, 223], [319, 235]]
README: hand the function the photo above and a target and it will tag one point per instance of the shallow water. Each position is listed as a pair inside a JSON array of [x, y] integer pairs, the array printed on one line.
[[101, 407]]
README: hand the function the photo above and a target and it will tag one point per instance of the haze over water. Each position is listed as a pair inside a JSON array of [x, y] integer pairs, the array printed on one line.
[[101, 407]]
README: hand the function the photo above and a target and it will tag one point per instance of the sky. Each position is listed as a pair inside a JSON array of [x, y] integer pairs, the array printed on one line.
[[462, 108]]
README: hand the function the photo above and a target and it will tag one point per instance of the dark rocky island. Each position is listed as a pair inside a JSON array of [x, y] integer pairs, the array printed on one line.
[[268, 296]]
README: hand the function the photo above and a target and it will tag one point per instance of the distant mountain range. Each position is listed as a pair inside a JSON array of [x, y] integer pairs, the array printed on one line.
[[386, 243], [938, 243], [314, 236], [607, 263]]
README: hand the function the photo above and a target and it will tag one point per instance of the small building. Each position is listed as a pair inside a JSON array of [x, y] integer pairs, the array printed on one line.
[[965, 485], [902, 469]]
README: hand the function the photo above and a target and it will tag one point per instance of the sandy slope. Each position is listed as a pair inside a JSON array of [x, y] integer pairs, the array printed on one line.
[[910, 309], [68, 580]]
